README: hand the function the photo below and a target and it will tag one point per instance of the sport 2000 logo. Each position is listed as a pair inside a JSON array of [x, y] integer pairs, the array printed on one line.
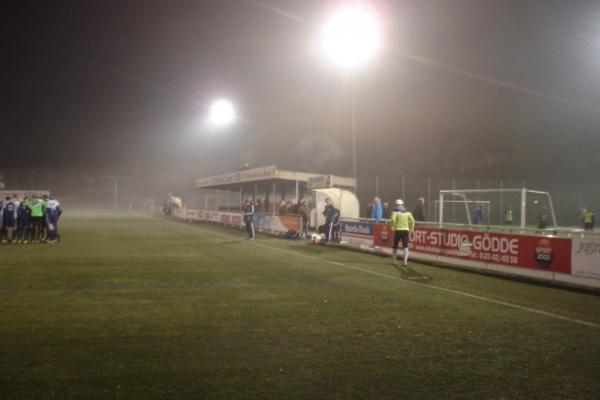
[[544, 253]]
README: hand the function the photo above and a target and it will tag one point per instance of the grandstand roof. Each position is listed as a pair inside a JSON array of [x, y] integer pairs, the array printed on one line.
[[268, 173]]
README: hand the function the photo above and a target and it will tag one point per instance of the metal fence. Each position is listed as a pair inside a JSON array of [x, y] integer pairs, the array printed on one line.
[[568, 195], [89, 188]]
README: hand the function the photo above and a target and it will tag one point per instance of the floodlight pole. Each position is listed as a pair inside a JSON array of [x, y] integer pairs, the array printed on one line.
[[353, 127], [441, 207]]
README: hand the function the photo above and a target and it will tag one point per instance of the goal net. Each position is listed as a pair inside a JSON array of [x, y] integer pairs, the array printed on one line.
[[499, 207]]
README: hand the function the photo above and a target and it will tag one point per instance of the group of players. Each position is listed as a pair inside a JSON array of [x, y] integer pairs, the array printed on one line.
[[33, 219]]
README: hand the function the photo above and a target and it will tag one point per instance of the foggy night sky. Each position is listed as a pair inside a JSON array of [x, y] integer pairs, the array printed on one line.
[[95, 83]]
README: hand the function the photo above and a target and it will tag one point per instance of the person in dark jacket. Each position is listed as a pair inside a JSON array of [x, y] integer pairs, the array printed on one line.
[[249, 212], [386, 210], [304, 212], [330, 213], [53, 213], [369, 210], [335, 230], [23, 221], [419, 211], [9, 220]]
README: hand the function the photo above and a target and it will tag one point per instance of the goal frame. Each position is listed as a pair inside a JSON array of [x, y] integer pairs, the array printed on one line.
[[523, 192]]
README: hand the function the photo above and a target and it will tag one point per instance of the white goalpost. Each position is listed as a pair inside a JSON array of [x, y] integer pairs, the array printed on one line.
[[523, 207]]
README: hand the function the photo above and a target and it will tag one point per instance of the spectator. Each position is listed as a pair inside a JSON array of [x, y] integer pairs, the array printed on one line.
[[369, 210], [377, 213], [419, 211], [259, 205], [508, 216], [543, 218], [283, 208], [477, 215], [292, 207], [330, 213], [335, 231], [249, 212], [304, 212], [386, 210], [587, 217]]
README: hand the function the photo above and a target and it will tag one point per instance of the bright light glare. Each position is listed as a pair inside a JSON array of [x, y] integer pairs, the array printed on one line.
[[222, 113], [352, 35]]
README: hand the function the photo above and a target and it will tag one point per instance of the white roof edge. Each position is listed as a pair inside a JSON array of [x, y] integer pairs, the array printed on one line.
[[268, 172]]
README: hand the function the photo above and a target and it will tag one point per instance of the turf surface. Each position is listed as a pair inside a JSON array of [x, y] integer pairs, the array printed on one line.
[[138, 307]]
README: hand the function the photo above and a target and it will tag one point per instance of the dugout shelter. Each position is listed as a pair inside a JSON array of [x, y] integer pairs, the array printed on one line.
[[269, 186]]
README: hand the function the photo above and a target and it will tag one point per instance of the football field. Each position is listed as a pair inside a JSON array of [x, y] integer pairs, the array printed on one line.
[[143, 307]]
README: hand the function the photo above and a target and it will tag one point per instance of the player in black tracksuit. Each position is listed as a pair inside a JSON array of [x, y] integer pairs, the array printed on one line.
[[9, 220], [23, 220], [249, 218]]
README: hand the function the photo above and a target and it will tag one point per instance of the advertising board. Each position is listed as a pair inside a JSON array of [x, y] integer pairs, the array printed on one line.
[[586, 258], [535, 252], [356, 232]]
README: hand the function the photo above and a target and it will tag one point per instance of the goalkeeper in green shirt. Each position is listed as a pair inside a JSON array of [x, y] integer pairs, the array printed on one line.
[[402, 224], [36, 206]]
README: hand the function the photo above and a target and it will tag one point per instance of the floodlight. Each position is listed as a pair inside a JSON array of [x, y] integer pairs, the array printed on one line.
[[222, 112], [352, 35]]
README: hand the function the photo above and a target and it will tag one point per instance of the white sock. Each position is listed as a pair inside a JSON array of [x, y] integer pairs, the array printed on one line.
[[405, 255]]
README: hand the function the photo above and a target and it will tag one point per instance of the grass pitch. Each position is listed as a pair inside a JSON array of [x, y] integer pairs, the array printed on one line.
[[138, 307]]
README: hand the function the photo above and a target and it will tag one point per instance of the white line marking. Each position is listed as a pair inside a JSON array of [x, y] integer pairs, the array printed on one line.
[[417, 278], [432, 287], [442, 289]]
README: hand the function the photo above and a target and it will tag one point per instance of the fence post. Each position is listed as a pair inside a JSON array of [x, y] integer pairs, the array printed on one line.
[[501, 202], [429, 197], [441, 206], [523, 207], [453, 204], [273, 202]]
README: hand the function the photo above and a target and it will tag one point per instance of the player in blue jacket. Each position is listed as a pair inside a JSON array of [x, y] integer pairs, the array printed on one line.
[[53, 212], [377, 212], [23, 221], [9, 220]]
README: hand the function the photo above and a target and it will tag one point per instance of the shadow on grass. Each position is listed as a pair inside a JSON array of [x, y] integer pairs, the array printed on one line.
[[410, 274]]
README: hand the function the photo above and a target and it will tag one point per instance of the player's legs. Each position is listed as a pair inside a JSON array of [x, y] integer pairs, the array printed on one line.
[[26, 230], [405, 247], [11, 230], [395, 246], [250, 230], [45, 229], [36, 229]]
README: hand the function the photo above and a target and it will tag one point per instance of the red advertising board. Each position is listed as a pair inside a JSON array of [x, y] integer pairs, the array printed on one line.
[[545, 253]]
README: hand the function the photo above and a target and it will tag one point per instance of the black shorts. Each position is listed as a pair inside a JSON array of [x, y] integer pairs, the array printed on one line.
[[400, 235]]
